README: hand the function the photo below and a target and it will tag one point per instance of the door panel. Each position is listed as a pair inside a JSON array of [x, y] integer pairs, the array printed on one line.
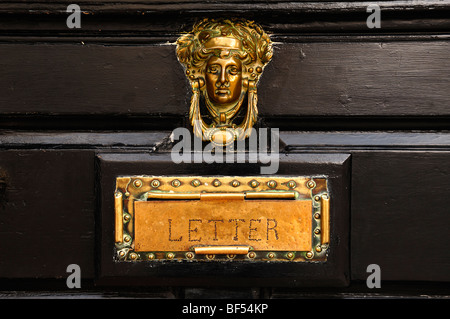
[[47, 213], [402, 214], [304, 79], [367, 106]]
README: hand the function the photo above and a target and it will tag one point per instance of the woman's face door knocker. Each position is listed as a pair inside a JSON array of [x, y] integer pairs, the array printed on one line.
[[224, 60]]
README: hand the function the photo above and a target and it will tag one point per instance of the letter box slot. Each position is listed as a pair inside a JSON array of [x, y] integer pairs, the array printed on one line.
[[221, 218]]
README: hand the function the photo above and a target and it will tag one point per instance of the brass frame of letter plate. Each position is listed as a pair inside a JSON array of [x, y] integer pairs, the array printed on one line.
[[133, 189]]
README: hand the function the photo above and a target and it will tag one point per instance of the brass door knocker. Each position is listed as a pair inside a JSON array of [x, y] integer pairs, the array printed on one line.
[[223, 60]]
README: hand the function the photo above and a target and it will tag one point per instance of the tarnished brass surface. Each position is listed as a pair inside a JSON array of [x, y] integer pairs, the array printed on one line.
[[218, 184], [280, 218], [263, 224], [325, 219], [118, 207], [206, 196], [224, 60], [221, 250]]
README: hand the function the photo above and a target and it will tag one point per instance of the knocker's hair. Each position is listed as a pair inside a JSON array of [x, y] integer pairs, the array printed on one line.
[[256, 44]]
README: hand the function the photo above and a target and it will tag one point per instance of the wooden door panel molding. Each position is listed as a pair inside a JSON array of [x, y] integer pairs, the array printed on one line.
[[332, 272], [324, 81], [376, 172]]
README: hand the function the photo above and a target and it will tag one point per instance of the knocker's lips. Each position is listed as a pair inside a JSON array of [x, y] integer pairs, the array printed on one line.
[[222, 91]]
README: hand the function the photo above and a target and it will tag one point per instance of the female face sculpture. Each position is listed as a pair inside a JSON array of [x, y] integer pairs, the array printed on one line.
[[223, 80], [223, 60]]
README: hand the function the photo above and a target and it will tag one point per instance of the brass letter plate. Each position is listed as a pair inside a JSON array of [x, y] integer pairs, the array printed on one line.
[[221, 218]]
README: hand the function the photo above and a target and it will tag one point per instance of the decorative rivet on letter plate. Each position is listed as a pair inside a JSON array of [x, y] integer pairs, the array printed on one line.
[[254, 184], [176, 183], [272, 184], [311, 184], [195, 183], [291, 184], [170, 255], [137, 183], [155, 183], [133, 256], [189, 255]]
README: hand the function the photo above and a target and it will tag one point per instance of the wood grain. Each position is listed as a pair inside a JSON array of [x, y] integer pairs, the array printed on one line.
[[314, 79]]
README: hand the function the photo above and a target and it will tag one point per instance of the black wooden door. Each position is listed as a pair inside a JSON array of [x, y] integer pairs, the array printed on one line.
[[376, 98]]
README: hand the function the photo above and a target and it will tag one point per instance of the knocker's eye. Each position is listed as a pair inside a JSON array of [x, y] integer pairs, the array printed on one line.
[[213, 69], [233, 70]]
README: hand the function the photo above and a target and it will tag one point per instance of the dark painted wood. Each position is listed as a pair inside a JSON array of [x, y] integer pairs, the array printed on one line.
[[364, 140], [398, 219], [414, 292], [249, 8], [168, 19], [47, 213], [391, 191], [354, 79], [294, 141], [92, 122], [400, 215], [48, 200], [315, 79], [115, 86], [211, 6], [358, 123], [359, 290], [92, 80], [147, 141]]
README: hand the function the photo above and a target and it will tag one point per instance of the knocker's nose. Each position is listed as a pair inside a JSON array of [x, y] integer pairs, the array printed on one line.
[[223, 79], [222, 82]]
